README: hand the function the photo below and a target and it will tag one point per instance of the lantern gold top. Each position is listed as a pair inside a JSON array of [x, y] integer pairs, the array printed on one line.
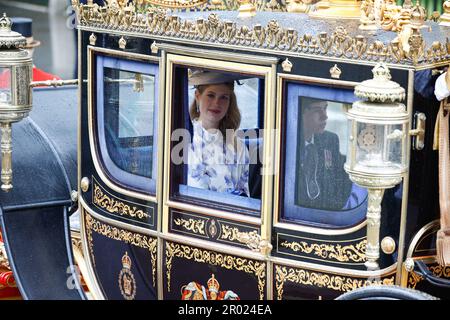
[[381, 88], [10, 39]]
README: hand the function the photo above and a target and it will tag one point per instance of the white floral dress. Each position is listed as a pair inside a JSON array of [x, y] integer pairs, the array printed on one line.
[[216, 166]]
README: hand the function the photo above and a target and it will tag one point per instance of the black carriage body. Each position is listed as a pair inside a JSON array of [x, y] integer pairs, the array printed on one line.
[[146, 241]]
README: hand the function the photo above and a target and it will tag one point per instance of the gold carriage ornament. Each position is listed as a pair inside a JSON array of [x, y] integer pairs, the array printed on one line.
[[377, 157], [16, 75]]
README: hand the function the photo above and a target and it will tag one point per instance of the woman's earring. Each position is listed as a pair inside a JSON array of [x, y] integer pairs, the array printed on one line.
[[198, 110]]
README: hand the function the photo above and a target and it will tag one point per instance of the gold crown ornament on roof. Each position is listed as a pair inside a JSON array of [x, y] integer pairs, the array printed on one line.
[[445, 17], [418, 15]]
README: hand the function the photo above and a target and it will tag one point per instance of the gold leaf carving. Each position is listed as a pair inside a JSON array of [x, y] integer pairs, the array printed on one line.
[[272, 36], [337, 252], [229, 262], [251, 239], [135, 239], [114, 206], [321, 280], [437, 270], [4, 262], [196, 226]]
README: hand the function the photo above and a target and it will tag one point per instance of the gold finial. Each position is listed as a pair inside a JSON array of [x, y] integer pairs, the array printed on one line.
[[418, 15], [335, 72], [445, 18], [407, 4], [287, 65], [5, 22]]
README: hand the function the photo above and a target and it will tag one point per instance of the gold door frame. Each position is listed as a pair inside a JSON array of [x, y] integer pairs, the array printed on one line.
[[266, 202]]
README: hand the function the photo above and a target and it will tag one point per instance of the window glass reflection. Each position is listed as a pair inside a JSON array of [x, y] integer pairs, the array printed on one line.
[[129, 119], [221, 137], [317, 190], [322, 182], [127, 114]]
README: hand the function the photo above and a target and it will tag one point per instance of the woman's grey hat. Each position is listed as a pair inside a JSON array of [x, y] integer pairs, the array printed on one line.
[[198, 77]]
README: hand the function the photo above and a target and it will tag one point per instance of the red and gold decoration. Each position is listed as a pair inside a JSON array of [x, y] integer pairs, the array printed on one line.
[[195, 291]]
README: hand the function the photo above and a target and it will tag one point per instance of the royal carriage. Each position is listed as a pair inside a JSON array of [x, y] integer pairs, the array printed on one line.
[[140, 231]]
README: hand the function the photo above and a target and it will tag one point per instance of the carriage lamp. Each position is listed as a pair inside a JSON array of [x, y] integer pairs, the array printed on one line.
[[16, 75], [16, 69], [376, 159]]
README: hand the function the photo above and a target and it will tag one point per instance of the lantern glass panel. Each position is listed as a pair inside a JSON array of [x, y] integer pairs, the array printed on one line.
[[379, 148], [5, 85]]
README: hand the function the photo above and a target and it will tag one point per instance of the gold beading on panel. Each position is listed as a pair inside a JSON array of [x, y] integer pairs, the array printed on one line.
[[122, 235], [4, 262], [409, 50], [114, 206], [256, 268], [337, 252], [193, 225], [321, 280]]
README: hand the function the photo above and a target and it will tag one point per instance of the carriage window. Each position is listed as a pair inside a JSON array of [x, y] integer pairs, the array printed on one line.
[[126, 116], [216, 142], [317, 190]]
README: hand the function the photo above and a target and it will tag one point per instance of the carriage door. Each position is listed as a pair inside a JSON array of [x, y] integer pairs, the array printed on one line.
[[118, 166], [215, 221]]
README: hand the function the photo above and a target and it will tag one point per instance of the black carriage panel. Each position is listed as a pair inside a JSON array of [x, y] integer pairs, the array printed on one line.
[[337, 69], [128, 271], [343, 251], [291, 283], [108, 203], [193, 273], [213, 229]]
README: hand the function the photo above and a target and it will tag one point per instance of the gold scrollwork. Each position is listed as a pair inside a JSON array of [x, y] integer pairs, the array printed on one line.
[[272, 36], [251, 239], [4, 262], [128, 237], [195, 226], [322, 280], [257, 268], [437, 270], [114, 206], [340, 253]]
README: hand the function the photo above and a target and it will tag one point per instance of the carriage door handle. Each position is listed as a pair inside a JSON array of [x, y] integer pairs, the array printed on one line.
[[418, 133]]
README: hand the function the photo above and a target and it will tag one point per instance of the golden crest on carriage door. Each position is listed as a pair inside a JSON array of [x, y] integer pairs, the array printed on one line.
[[127, 283]]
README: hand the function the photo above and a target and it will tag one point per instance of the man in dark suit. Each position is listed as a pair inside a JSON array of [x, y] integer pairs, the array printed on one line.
[[322, 182]]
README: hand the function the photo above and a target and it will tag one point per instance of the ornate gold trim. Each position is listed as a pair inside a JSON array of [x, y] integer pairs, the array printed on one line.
[[437, 270], [321, 280], [410, 51], [337, 252], [99, 198], [193, 225], [4, 262], [257, 268], [128, 237]]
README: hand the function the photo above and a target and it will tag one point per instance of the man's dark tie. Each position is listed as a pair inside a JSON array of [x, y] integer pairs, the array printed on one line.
[[310, 169]]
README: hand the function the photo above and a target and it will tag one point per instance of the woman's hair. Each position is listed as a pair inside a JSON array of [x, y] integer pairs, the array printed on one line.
[[232, 118]]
